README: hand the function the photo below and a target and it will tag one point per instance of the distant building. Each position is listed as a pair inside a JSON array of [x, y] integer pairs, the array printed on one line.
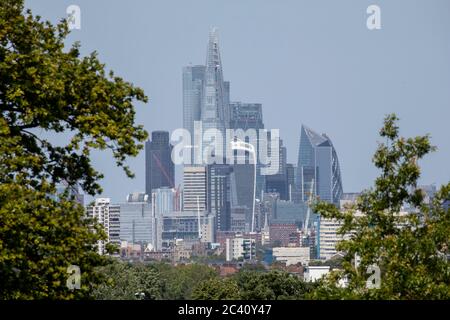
[[159, 167], [218, 195], [314, 273], [278, 183], [283, 234], [73, 192], [292, 255], [318, 163], [194, 188], [240, 248], [108, 215], [138, 223], [190, 226], [193, 82], [238, 219], [329, 237], [290, 212], [245, 116], [164, 200]]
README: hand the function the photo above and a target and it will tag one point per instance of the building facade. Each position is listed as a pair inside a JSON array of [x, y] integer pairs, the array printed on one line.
[[318, 167], [159, 167]]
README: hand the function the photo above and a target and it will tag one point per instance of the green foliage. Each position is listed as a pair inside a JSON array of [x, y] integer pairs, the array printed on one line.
[[128, 282], [273, 285], [410, 249], [216, 289], [45, 88], [179, 281], [39, 240]]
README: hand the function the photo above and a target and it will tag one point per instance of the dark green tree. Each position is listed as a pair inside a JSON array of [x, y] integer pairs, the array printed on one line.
[[128, 282], [216, 289], [47, 88], [411, 249], [179, 281], [273, 285]]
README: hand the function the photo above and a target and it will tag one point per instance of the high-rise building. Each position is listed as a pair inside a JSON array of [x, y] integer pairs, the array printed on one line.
[[194, 188], [108, 215], [318, 163], [247, 116], [138, 223], [277, 183], [290, 179], [159, 167], [218, 195], [193, 82], [214, 110]]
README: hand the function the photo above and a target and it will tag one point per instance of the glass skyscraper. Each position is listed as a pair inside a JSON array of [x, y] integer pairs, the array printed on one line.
[[206, 95], [318, 163], [159, 167]]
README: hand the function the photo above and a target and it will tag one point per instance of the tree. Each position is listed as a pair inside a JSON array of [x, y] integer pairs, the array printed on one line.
[[179, 281], [273, 285], [411, 249], [216, 289], [128, 282], [46, 88]]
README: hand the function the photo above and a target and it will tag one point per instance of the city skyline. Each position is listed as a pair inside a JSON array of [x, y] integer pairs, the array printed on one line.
[[321, 96]]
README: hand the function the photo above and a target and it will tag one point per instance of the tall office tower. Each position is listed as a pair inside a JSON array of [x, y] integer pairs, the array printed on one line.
[[290, 179], [159, 167], [137, 221], [278, 182], [318, 163], [214, 111], [194, 189], [108, 215], [246, 116], [218, 194], [193, 82]]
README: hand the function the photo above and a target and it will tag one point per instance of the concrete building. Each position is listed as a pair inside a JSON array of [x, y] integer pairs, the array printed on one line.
[[194, 189], [292, 255], [108, 216], [240, 248], [314, 273]]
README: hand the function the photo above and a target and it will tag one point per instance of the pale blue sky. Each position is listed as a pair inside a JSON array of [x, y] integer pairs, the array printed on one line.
[[311, 62]]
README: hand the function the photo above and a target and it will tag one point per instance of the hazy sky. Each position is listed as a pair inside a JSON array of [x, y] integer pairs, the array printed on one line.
[[312, 62]]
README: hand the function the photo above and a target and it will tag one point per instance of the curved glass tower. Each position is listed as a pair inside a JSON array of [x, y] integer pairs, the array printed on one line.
[[318, 163]]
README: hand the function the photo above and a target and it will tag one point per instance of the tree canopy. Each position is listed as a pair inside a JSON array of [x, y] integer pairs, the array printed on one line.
[[48, 89], [410, 249]]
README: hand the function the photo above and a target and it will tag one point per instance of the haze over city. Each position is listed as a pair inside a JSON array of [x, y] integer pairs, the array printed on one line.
[[312, 63]]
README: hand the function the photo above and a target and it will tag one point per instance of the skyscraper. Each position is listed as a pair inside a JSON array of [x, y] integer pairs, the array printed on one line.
[[318, 163], [278, 182], [219, 194], [247, 116], [213, 110], [159, 167], [193, 82]]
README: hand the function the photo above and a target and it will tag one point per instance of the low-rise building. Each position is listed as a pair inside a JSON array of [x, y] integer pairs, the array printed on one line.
[[292, 255]]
